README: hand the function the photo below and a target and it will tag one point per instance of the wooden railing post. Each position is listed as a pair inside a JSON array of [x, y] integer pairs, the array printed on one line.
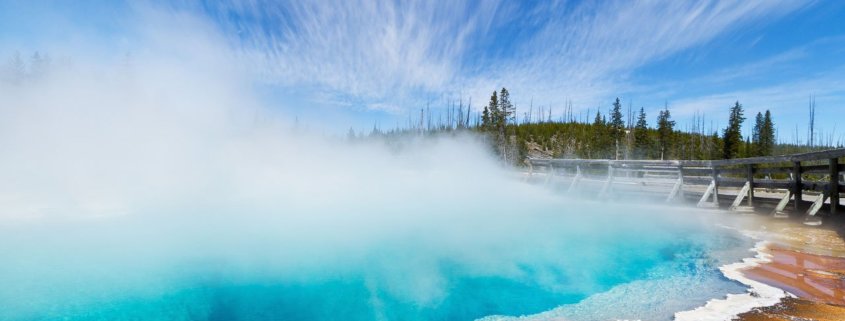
[[681, 178], [834, 186], [750, 179], [798, 185], [716, 185]]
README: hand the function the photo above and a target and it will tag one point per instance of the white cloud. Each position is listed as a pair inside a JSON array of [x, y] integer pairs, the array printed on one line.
[[589, 53], [367, 50], [787, 100], [392, 53]]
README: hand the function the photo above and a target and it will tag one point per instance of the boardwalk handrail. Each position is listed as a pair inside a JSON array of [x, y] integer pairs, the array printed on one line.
[[820, 155], [811, 156], [712, 172], [615, 163]]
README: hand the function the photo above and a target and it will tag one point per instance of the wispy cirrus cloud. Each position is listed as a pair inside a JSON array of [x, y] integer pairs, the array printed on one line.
[[373, 52], [589, 52], [788, 100], [396, 56], [393, 54], [782, 83]]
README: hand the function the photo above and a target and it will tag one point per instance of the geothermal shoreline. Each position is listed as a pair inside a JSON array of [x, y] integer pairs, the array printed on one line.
[[758, 294], [807, 262], [798, 273], [720, 306], [777, 242]]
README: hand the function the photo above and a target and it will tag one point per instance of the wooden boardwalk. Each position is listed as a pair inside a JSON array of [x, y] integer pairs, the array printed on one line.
[[809, 183]]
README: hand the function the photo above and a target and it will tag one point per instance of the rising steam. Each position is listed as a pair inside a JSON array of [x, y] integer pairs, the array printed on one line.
[[153, 175]]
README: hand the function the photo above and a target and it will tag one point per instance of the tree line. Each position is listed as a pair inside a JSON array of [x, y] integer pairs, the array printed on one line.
[[16, 70], [609, 135]]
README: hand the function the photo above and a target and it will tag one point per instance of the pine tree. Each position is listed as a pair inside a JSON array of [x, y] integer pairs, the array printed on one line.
[[616, 126], [732, 138], [507, 112], [599, 138], [485, 119], [641, 139], [495, 114], [599, 121], [767, 135], [756, 133], [506, 107], [665, 133], [497, 124]]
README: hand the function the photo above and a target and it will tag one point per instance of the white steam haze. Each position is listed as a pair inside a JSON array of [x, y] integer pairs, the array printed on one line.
[[139, 177]]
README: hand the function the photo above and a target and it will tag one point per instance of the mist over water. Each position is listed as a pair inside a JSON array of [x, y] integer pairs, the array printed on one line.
[[165, 189], [458, 264]]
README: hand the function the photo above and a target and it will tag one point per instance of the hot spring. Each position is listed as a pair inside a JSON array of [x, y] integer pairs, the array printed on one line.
[[165, 189], [529, 255], [128, 199]]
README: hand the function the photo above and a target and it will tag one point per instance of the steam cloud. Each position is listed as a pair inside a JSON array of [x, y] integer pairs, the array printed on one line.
[[144, 177]]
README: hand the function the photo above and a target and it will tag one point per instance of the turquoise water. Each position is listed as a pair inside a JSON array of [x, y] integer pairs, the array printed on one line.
[[616, 264]]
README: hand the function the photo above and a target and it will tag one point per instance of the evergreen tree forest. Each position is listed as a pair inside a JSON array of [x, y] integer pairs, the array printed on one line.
[[607, 135]]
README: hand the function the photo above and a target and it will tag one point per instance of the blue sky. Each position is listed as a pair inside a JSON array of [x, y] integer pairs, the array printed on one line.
[[341, 64]]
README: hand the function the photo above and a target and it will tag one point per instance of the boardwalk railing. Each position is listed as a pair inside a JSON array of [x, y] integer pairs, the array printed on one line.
[[789, 177]]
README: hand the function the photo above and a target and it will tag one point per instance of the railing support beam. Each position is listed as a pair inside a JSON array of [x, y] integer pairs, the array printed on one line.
[[703, 201], [750, 179], [778, 212], [681, 179], [607, 184], [797, 185], [716, 186], [575, 180]]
